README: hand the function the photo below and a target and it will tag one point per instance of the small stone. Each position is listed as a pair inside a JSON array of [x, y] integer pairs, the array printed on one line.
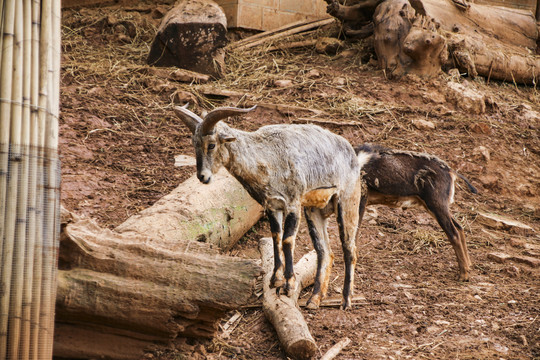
[[502, 223], [339, 81], [95, 91], [466, 98], [183, 97], [489, 181], [483, 151], [498, 257], [480, 128], [313, 73], [422, 124], [283, 83]]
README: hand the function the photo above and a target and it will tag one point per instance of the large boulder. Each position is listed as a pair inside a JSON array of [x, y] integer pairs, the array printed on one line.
[[191, 36]]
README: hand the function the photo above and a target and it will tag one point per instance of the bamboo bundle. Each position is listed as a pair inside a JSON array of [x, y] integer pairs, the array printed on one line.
[[29, 190]]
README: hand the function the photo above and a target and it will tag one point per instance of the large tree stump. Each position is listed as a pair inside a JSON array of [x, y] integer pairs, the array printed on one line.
[[191, 36], [162, 277]]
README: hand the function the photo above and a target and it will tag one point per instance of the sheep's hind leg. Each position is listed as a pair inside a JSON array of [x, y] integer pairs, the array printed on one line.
[[290, 229], [463, 241], [317, 224], [276, 218], [448, 224]]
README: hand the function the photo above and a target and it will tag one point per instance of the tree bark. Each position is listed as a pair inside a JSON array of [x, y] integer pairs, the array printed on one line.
[[282, 311], [219, 214], [130, 287]]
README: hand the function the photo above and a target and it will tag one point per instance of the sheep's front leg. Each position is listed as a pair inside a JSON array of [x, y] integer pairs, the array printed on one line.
[[290, 228], [276, 218]]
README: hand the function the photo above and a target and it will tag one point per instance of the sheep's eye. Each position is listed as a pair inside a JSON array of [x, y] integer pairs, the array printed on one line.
[[211, 146]]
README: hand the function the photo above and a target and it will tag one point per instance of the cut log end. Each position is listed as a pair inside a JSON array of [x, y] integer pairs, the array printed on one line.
[[302, 349]]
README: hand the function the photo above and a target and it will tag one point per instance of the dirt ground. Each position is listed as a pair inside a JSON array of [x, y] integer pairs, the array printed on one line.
[[119, 138]]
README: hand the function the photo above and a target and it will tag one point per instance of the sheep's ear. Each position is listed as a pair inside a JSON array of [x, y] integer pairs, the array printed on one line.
[[226, 139], [189, 118], [214, 116]]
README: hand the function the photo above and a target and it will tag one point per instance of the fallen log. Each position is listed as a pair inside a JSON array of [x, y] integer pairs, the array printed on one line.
[[282, 311], [219, 213], [130, 287]]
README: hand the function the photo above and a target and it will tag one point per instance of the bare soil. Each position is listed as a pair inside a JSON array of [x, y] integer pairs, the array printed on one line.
[[119, 138]]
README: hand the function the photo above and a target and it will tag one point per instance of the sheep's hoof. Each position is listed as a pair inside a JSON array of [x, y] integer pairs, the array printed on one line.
[[288, 288], [346, 304], [313, 302], [277, 282]]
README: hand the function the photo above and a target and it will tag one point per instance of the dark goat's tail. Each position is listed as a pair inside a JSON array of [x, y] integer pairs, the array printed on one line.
[[471, 187]]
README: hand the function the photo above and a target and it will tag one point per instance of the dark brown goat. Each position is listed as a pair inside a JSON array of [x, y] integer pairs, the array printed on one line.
[[404, 179]]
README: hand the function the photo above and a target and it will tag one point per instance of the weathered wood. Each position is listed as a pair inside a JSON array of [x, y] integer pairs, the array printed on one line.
[[491, 41], [492, 23], [281, 34], [191, 36], [282, 311], [219, 213], [268, 33], [131, 287], [425, 47], [336, 349], [392, 22]]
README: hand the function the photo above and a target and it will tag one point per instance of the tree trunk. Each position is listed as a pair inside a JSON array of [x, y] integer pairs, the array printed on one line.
[[159, 277], [282, 311]]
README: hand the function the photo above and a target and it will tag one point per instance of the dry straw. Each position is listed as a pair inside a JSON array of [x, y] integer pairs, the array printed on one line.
[[29, 198]]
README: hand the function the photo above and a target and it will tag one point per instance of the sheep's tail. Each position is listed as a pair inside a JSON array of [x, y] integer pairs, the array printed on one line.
[[469, 185]]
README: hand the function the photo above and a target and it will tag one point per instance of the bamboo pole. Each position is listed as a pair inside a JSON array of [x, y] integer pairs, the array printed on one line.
[[49, 21], [18, 285], [5, 124], [35, 223], [31, 15], [54, 168], [42, 246], [16, 183]]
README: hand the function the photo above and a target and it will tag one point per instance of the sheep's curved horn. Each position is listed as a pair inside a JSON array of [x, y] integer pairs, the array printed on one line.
[[214, 116], [189, 118]]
